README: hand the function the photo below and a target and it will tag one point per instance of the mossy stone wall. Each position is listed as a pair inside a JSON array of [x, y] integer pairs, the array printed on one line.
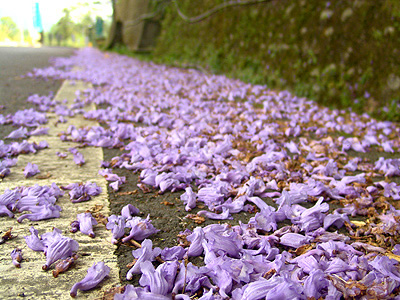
[[341, 53]]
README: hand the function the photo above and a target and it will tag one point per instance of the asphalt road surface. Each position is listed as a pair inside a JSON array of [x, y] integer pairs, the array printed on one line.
[[14, 88]]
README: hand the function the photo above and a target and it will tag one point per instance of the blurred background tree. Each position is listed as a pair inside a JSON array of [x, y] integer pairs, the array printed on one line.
[[8, 29]]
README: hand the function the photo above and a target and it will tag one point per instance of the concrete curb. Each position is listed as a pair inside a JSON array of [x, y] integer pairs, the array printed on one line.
[[30, 281]]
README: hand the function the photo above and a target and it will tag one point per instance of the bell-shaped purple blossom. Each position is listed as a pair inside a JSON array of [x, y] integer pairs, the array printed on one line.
[[50, 237], [192, 278], [173, 253], [294, 240], [8, 200], [315, 284], [140, 229], [74, 226], [214, 216], [189, 198], [132, 292], [335, 219], [20, 133], [78, 157], [196, 239], [145, 253], [95, 275], [61, 154], [41, 212], [80, 192], [60, 249], [310, 219], [128, 211], [222, 238], [39, 131], [16, 256], [117, 226], [386, 266], [31, 170], [33, 241], [153, 279], [86, 223]]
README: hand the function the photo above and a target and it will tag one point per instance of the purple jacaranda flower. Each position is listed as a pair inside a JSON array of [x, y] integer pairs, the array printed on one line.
[[389, 167], [173, 253], [64, 265], [41, 212], [387, 146], [222, 238], [335, 219], [390, 189], [86, 223], [61, 154], [95, 275], [78, 157], [396, 249], [39, 131], [260, 288], [145, 253], [254, 186], [166, 181], [189, 198], [16, 256], [80, 192], [110, 176], [33, 241], [128, 211], [368, 247], [192, 278], [29, 118], [4, 170], [222, 278], [337, 265], [132, 292], [310, 219], [60, 249], [8, 200], [386, 266], [294, 240], [195, 239], [153, 279], [292, 147], [117, 226], [140, 229], [265, 220], [31, 170], [378, 285], [20, 133], [332, 247], [222, 216]]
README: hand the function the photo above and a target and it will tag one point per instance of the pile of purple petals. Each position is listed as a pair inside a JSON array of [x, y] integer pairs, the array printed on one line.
[[54, 245], [139, 228], [229, 145], [80, 192], [38, 201]]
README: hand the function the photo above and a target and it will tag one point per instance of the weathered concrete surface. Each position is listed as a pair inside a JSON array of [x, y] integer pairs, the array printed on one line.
[[30, 280]]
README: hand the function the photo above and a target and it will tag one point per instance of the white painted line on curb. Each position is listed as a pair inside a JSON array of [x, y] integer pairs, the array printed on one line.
[[30, 280]]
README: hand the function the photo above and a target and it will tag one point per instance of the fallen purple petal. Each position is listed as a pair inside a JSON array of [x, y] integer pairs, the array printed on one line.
[[95, 275]]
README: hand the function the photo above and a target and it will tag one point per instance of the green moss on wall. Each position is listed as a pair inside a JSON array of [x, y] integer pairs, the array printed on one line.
[[339, 53]]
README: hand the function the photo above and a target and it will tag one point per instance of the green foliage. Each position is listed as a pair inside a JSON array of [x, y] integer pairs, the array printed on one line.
[[339, 53], [8, 29]]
